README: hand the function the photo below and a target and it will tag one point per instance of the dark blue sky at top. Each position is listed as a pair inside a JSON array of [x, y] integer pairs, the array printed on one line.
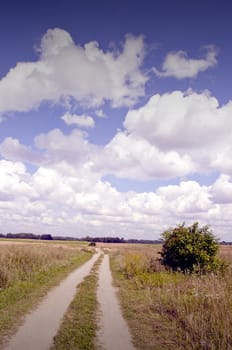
[[169, 25], [172, 24]]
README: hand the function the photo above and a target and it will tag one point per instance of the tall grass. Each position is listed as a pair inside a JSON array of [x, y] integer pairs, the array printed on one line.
[[171, 310], [27, 271], [19, 263]]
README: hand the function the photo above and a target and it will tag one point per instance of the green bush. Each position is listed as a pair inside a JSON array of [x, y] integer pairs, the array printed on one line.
[[190, 249]]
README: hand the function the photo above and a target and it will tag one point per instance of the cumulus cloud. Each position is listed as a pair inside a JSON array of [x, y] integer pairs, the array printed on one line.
[[180, 66], [79, 205], [172, 135], [83, 203], [190, 124], [222, 189], [67, 71], [14, 180], [54, 41], [12, 149], [83, 120], [179, 120], [99, 113], [186, 198], [133, 157], [63, 150]]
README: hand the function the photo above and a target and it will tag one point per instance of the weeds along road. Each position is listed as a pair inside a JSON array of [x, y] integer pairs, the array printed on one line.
[[42, 324], [113, 331]]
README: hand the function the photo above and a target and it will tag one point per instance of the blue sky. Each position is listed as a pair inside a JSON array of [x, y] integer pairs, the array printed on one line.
[[115, 117]]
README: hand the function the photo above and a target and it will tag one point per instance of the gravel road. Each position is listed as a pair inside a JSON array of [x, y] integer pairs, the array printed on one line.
[[114, 333], [42, 324]]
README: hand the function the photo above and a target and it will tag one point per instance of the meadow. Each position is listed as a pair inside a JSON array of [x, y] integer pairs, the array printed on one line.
[[164, 310], [167, 310], [27, 271]]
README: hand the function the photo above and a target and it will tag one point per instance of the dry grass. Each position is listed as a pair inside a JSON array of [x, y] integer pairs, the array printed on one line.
[[18, 263], [27, 272], [172, 310]]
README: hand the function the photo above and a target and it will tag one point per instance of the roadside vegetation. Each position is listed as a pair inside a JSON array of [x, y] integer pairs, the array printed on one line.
[[27, 271], [79, 326], [169, 310], [191, 249]]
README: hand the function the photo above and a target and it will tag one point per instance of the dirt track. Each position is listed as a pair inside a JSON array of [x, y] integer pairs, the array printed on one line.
[[42, 324], [114, 333]]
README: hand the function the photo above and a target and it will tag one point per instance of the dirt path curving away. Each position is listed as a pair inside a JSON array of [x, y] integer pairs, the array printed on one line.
[[42, 324], [114, 333]]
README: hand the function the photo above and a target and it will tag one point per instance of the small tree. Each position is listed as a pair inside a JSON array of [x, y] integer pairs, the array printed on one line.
[[190, 249]]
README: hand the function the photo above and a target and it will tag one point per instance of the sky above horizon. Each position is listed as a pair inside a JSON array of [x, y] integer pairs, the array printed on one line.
[[115, 117]]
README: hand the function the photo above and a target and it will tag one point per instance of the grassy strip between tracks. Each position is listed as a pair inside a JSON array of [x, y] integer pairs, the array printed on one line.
[[79, 326], [26, 275]]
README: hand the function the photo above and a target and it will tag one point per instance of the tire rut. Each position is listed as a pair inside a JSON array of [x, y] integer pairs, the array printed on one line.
[[113, 333], [42, 324]]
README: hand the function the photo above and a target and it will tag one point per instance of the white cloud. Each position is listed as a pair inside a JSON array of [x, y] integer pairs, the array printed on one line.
[[133, 157], [14, 180], [125, 156], [11, 149], [74, 148], [99, 113], [180, 66], [67, 153], [222, 189], [83, 120], [54, 41], [186, 198], [190, 124], [67, 71], [172, 135], [180, 120], [79, 205]]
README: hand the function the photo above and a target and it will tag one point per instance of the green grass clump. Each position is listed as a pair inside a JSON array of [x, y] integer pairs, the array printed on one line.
[[79, 326]]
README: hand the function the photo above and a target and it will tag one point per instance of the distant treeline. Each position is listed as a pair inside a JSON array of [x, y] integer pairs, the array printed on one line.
[[26, 236], [121, 240], [88, 239], [225, 243]]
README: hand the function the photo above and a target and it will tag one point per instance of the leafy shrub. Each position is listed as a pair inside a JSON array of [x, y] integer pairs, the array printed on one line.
[[190, 249]]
